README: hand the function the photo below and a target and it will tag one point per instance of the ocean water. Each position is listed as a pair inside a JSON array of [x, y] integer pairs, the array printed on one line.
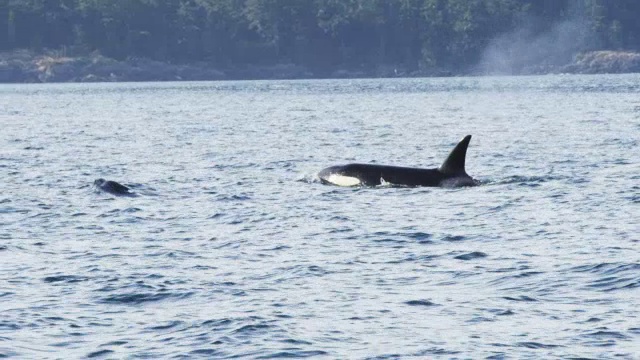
[[232, 247]]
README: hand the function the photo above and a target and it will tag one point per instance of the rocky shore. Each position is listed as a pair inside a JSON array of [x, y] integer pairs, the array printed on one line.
[[23, 66], [592, 62], [604, 62]]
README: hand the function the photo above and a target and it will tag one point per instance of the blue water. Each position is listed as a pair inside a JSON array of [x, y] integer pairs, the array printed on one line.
[[233, 248]]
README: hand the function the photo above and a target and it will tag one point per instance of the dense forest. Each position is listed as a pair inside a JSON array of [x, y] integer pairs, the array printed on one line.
[[324, 35]]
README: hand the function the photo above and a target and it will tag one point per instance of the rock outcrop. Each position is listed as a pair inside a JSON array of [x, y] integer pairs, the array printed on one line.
[[604, 62]]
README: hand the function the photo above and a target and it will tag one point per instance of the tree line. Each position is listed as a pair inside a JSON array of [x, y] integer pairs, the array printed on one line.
[[318, 34]]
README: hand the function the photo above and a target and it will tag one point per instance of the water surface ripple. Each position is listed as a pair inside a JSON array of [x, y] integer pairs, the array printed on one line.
[[233, 248]]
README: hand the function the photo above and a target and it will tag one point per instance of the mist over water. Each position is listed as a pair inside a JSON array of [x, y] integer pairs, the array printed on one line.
[[528, 48], [232, 247]]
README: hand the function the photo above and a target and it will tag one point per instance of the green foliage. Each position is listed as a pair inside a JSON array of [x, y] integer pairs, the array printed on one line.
[[320, 34]]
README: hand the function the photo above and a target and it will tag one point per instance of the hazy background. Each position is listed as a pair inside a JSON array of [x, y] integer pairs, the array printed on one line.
[[386, 37]]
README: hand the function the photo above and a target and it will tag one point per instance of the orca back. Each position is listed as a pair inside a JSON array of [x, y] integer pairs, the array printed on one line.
[[451, 173]]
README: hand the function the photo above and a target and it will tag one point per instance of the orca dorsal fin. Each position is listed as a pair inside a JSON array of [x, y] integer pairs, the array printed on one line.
[[454, 164]]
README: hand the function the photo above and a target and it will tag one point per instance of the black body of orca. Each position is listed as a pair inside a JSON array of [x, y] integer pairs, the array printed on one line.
[[112, 187], [450, 174]]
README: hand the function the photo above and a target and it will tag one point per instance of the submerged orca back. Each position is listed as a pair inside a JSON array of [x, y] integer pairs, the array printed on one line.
[[454, 164]]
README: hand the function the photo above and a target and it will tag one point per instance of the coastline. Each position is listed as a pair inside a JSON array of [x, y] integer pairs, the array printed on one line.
[[24, 66]]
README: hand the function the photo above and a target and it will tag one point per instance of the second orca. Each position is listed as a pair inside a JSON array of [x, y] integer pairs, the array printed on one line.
[[113, 188]]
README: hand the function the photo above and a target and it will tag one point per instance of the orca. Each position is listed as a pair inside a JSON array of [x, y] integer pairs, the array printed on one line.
[[450, 174], [112, 187]]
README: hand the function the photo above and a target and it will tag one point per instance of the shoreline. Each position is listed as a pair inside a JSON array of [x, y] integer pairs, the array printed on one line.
[[24, 66]]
